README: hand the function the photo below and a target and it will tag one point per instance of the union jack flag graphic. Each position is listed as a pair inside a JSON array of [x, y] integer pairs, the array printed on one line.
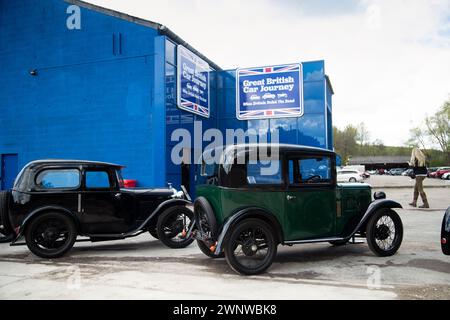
[[195, 108], [262, 70], [261, 105]]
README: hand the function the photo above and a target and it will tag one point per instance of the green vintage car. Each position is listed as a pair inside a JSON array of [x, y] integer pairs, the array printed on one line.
[[251, 198]]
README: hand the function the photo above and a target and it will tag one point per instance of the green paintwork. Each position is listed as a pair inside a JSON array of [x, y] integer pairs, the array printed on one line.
[[313, 213]]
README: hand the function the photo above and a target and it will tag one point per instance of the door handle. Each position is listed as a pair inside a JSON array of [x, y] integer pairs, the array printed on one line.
[[291, 198]]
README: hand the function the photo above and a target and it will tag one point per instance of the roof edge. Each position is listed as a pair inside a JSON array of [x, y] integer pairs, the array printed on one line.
[[162, 29]]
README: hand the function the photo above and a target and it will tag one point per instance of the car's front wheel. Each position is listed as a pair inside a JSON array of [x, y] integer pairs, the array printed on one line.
[[384, 233], [251, 247], [353, 180], [172, 227], [51, 235]]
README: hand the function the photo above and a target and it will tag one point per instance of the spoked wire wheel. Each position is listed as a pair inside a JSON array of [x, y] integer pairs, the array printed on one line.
[[51, 235], [251, 247], [206, 224], [385, 232], [173, 225]]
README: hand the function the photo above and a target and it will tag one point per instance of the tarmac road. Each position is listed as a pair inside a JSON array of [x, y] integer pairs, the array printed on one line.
[[143, 268]]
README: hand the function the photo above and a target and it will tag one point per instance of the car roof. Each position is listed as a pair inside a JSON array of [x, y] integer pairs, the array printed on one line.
[[42, 162], [281, 146]]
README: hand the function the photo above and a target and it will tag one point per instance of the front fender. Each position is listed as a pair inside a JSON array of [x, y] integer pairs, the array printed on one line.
[[374, 207], [161, 207], [41, 210], [247, 213]]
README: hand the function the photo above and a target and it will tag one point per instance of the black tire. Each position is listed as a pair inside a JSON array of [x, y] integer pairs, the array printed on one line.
[[250, 228], [205, 219], [172, 223], [204, 248], [338, 243], [384, 233], [6, 229], [153, 232], [43, 233], [353, 180]]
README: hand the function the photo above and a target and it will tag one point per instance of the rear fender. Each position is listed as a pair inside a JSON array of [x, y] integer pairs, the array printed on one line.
[[252, 212], [43, 210]]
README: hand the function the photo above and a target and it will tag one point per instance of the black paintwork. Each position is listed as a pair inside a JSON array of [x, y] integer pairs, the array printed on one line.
[[112, 213], [445, 233]]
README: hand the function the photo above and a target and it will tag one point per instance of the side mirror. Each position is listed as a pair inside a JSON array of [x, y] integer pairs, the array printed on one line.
[[379, 195]]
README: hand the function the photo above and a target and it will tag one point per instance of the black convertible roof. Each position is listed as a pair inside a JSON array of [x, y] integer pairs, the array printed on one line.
[[71, 162]]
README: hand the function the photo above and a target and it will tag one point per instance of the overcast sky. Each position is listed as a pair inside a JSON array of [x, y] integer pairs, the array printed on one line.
[[388, 60]]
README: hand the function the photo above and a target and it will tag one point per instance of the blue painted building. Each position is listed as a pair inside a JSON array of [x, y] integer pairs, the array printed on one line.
[[107, 92]]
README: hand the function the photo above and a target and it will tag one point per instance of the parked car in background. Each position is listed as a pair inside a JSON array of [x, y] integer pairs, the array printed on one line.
[[53, 202], [445, 233], [446, 176], [431, 170], [366, 175], [396, 171], [243, 214], [408, 173], [349, 176], [441, 171]]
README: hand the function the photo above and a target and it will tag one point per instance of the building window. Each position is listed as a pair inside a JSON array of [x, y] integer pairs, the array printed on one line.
[[170, 52]]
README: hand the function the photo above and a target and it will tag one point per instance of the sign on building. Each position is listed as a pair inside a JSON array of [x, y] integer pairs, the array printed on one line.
[[192, 82], [269, 92]]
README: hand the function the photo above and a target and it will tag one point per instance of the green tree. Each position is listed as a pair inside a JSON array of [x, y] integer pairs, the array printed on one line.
[[345, 142], [438, 128]]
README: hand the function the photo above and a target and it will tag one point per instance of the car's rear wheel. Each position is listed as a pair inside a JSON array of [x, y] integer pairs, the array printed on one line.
[[352, 180], [207, 251], [6, 229], [384, 233], [51, 235], [205, 219], [251, 247], [173, 225], [153, 232]]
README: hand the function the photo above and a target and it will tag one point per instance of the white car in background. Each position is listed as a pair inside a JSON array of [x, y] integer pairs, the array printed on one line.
[[347, 175], [446, 176]]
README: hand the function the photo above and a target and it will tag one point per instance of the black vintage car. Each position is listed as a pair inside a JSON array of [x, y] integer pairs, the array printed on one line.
[[53, 202], [445, 233]]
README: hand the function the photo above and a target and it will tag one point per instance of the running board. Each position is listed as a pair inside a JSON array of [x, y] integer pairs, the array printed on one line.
[[351, 240], [314, 240]]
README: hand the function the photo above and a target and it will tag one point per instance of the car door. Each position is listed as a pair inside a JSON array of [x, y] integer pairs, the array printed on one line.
[[101, 203], [310, 205]]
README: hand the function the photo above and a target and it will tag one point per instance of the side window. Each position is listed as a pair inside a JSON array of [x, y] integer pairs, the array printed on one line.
[[58, 179], [253, 174], [97, 180], [259, 173], [310, 170]]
